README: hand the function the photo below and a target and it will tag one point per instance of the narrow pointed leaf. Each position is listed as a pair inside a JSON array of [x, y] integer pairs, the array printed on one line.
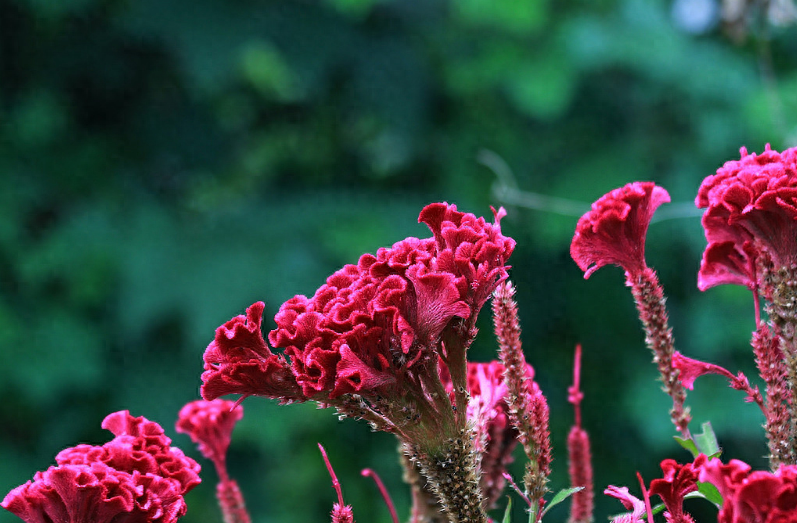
[[508, 511], [561, 496]]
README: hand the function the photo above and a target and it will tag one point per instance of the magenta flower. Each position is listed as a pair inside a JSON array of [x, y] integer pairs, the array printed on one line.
[[752, 496], [210, 424], [751, 208], [366, 328], [630, 502], [679, 480], [613, 232], [135, 478], [373, 329]]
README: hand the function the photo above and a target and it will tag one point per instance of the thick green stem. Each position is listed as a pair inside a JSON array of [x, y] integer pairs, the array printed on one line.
[[453, 477]]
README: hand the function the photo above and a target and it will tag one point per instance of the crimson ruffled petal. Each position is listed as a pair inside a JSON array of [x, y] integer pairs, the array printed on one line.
[[613, 231], [135, 478]]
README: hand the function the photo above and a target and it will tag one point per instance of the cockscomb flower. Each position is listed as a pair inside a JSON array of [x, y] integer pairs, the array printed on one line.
[[613, 232], [679, 480], [753, 200], [368, 341], [210, 425], [372, 328], [752, 496], [137, 477], [750, 224]]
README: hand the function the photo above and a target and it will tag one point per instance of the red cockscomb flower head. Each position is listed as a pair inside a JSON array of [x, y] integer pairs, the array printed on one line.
[[679, 480], [365, 329], [238, 361], [751, 210], [135, 478], [752, 496], [613, 231], [210, 424]]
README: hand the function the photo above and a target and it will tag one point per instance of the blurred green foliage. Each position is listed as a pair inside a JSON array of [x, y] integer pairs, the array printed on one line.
[[165, 164]]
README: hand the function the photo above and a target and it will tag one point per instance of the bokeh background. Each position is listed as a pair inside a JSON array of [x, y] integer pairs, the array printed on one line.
[[164, 164]]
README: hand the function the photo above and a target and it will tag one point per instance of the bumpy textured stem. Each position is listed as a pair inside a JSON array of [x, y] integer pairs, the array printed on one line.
[[231, 502], [772, 368], [781, 294], [650, 302], [580, 469], [453, 477], [528, 409], [425, 508]]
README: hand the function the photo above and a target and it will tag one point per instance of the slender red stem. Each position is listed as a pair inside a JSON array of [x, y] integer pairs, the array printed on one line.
[[368, 473], [645, 495], [517, 489], [335, 482]]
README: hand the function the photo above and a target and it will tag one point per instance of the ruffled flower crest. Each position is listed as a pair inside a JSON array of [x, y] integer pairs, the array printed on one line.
[[752, 496], [679, 480], [372, 326], [238, 361], [751, 211], [613, 231], [135, 478], [210, 425]]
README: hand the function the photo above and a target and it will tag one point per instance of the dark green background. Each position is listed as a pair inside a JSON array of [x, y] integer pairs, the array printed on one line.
[[165, 163]]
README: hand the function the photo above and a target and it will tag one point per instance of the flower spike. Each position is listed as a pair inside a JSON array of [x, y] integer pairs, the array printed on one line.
[[579, 455]]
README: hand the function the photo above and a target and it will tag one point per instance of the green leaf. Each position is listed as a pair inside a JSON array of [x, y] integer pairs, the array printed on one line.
[[561, 496], [704, 443], [707, 441], [708, 491], [508, 511], [688, 444]]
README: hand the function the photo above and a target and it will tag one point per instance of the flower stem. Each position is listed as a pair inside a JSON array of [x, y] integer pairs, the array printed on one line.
[[453, 477], [781, 295], [650, 302]]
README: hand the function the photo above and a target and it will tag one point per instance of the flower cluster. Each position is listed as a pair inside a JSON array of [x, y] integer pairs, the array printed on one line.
[[136, 477], [386, 340], [753, 496], [374, 329], [750, 219], [371, 323]]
